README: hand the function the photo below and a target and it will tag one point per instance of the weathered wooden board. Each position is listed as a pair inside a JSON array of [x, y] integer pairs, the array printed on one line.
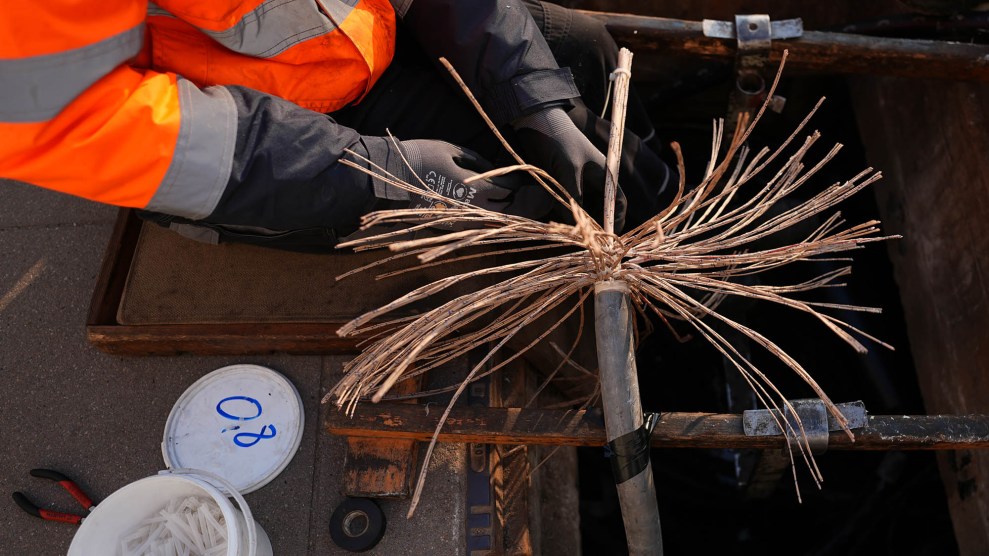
[[161, 294], [815, 51], [674, 430], [931, 140], [816, 15], [382, 467]]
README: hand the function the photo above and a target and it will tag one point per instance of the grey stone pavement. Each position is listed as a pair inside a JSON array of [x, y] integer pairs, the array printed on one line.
[[99, 418]]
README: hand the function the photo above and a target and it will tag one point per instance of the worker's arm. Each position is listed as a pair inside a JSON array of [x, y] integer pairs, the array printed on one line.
[[499, 51], [76, 118], [286, 174], [224, 155], [152, 140]]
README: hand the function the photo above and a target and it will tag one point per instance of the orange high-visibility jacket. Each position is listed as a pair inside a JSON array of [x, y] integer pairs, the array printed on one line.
[[212, 110], [79, 114]]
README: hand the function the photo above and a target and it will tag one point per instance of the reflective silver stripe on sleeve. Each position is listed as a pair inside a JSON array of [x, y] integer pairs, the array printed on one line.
[[401, 7], [203, 156], [277, 25], [155, 9], [37, 88]]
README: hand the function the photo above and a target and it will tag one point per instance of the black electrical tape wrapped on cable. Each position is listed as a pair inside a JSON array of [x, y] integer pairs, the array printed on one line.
[[629, 452]]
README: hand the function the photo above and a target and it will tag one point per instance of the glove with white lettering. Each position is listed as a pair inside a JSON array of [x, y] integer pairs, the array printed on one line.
[[444, 168]]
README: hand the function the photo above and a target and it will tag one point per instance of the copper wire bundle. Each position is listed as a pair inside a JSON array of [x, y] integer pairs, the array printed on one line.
[[679, 265]]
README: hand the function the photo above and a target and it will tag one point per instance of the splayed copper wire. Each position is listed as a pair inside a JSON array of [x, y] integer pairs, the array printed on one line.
[[679, 265]]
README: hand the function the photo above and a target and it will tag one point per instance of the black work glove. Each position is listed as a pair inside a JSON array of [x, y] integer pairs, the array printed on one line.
[[444, 168], [648, 182], [550, 140]]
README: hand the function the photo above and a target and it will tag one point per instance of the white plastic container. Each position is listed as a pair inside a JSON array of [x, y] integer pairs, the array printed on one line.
[[230, 433], [131, 505], [242, 422]]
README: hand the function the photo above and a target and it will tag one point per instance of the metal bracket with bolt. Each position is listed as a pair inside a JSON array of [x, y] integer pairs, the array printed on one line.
[[755, 34]]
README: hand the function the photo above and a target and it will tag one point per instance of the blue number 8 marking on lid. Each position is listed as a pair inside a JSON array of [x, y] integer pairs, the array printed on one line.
[[219, 408], [254, 400], [258, 437]]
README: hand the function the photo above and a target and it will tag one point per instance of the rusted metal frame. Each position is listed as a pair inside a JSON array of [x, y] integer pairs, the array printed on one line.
[[815, 51], [674, 430], [117, 258], [103, 330], [382, 467]]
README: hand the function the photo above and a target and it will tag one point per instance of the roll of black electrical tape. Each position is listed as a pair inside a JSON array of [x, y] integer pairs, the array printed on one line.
[[357, 524]]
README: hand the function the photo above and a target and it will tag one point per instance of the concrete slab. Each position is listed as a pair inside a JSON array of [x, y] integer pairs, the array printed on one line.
[[46, 401], [99, 418], [29, 206], [438, 525]]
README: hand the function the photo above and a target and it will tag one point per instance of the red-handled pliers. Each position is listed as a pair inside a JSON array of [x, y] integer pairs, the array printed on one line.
[[68, 485]]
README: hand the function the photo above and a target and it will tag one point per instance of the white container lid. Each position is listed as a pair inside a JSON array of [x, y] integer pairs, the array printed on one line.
[[242, 422]]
